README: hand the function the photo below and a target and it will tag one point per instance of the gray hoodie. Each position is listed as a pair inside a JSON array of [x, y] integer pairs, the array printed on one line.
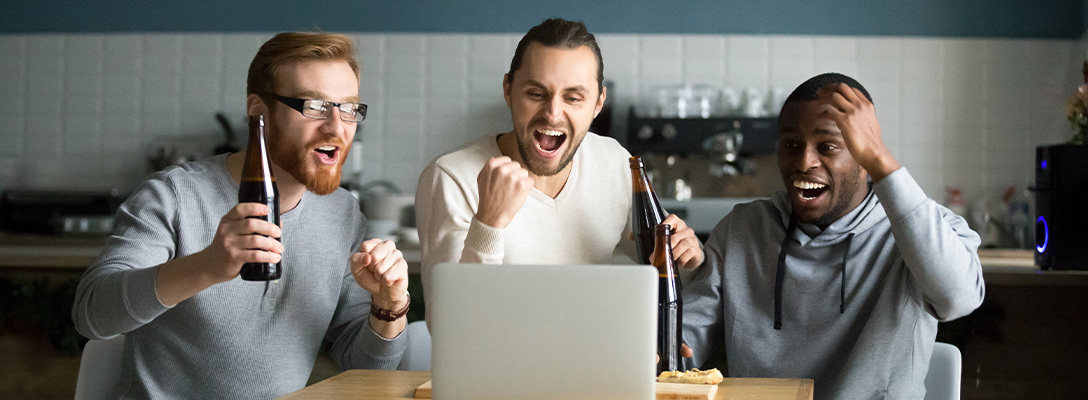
[[859, 301]]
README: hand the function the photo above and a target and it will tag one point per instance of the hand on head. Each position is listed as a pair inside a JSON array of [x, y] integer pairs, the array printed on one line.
[[504, 184], [380, 268], [239, 240], [856, 118]]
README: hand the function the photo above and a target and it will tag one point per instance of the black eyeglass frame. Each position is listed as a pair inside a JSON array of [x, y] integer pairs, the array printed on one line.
[[300, 104]]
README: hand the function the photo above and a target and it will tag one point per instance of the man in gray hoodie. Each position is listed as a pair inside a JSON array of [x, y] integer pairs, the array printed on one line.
[[834, 278]]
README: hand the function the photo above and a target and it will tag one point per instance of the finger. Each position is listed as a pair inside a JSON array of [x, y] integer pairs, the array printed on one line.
[[360, 262], [369, 245], [513, 169], [257, 256], [243, 210], [259, 242], [685, 351], [250, 226], [840, 104], [396, 274], [676, 222], [385, 263]]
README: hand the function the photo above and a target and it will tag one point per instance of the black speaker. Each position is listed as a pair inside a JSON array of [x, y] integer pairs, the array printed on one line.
[[1061, 207]]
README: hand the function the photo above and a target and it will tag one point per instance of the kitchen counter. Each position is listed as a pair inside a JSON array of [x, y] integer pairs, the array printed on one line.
[[48, 252], [24, 251], [999, 267]]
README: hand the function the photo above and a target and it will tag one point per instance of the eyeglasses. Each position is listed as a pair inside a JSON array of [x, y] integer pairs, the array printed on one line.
[[320, 109]]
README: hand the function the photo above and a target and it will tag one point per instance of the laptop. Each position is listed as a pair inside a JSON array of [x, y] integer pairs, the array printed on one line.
[[543, 331]]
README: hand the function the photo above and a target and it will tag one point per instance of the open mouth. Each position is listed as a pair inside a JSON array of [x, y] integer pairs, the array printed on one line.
[[327, 154], [549, 140], [809, 190]]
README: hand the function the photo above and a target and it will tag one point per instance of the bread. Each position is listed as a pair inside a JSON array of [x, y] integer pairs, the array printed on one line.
[[708, 377]]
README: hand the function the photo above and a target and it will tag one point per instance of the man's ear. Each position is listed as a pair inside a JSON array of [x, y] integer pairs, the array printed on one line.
[[600, 101], [255, 105], [506, 88]]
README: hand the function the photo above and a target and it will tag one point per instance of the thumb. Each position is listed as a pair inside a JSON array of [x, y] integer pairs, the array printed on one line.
[[361, 260]]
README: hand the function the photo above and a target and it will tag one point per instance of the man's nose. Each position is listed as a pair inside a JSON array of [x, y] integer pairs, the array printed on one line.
[[554, 111], [332, 123], [808, 159]]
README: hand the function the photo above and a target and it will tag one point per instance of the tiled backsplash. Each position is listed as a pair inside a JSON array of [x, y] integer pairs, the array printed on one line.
[[84, 111]]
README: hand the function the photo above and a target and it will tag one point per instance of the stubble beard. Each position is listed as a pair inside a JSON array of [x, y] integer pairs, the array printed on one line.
[[539, 167], [842, 203]]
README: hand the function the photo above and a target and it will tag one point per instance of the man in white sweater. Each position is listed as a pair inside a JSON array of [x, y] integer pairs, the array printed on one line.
[[547, 192]]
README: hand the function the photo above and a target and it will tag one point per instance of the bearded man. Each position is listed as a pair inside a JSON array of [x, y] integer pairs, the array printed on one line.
[[547, 192], [168, 276]]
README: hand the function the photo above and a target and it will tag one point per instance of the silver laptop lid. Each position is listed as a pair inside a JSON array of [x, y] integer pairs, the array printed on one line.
[[543, 331]]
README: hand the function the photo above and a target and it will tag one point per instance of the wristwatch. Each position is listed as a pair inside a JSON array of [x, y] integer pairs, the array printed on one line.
[[389, 315]]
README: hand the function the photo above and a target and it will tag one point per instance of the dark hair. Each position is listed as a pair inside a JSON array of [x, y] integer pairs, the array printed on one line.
[[807, 90], [560, 33]]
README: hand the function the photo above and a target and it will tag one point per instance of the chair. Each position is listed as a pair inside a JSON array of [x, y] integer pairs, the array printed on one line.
[[99, 368], [943, 379], [417, 357]]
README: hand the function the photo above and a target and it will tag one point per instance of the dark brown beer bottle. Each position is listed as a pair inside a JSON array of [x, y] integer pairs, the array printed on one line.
[[670, 306], [646, 211], [259, 186]]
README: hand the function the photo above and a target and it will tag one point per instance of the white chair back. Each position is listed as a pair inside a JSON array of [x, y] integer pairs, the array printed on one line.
[[943, 378], [99, 368], [417, 357]]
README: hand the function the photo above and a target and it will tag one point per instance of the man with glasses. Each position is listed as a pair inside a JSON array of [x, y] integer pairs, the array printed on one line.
[[168, 276]]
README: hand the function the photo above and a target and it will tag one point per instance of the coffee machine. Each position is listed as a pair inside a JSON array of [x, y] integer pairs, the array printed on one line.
[[1061, 212], [717, 156]]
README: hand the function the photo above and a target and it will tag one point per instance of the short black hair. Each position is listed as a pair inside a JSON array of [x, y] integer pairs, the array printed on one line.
[[807, 90], [556, 32]]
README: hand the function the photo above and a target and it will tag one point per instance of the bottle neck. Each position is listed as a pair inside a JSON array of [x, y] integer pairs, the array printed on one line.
[[663, 259], [257, 166]]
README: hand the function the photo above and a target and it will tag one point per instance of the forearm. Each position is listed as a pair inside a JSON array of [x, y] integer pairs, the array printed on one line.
[[937, 247], [880, 165], [113, 298], [389, 329], [182, 278]]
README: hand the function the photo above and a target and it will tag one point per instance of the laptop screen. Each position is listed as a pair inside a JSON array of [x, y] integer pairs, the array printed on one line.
[[543, 331]]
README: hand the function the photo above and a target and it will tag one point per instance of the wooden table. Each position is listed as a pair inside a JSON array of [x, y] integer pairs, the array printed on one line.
[[375, 384]]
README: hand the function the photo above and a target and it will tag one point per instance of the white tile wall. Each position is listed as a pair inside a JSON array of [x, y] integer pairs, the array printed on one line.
[[84, 110]]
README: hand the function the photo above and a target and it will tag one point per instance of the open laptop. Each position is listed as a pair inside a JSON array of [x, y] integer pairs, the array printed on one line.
[[543, 331]]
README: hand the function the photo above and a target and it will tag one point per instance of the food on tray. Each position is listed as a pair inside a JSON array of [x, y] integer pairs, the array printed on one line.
[[708, 377]]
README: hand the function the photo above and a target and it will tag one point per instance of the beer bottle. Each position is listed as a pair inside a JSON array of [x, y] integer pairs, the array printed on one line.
[[646, 211], [670, 307], [259, 186]]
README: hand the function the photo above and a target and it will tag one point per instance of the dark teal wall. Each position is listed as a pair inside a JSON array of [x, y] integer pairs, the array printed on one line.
[[969, 18]]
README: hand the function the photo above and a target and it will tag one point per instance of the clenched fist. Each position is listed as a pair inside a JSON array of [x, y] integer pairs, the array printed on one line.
[[380, 268], [504, 184]]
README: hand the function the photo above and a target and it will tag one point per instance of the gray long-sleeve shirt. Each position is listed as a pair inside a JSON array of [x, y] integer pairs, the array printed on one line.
[[236, 339], [900, 261]]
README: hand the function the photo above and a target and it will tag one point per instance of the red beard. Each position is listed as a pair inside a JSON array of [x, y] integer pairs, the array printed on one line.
[[298, 161]]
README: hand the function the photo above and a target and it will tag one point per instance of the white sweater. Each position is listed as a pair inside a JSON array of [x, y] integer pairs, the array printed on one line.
[[584, 224]]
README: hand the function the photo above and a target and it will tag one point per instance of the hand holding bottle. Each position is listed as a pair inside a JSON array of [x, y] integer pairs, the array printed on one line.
[[504, 185], [685, 352], [687, 250], [240, 239]]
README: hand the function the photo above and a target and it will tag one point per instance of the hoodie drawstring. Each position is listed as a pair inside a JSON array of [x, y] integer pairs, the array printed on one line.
[[780, 274], [842, 282]]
